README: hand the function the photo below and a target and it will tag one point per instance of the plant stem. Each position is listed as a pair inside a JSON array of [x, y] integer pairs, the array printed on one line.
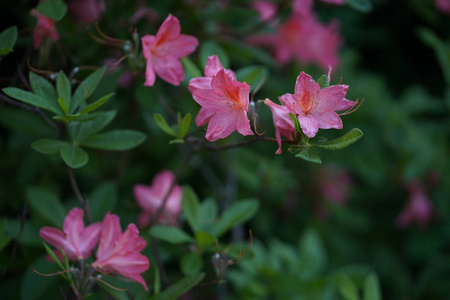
[[30, 108], [83, 201], [158, 214]]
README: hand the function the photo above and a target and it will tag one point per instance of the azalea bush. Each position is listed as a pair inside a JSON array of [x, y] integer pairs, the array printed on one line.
[[225, 149]]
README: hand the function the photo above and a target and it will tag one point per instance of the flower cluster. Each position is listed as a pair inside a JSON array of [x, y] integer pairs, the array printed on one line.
[[117, 252], [224, 101], [163, 51], [304, 38]]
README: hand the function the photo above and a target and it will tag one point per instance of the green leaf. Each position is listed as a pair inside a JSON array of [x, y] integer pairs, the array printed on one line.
[[43, 88], [185, 125], [114, 282], [207, 213], [294, 149], [235, 215], [309, 155], [93, 106], [63, 105], [31, 99], [54, 9], [53, 255], [176, 141], [253, 75], [67, 118], [296, 123], [211, 47], [346, 287], [312, 254], [371, 289], [190, 207], [179, 288], [343, 141], [191, 263], [203, 238], [64, 91], [27, 233], [170, 234], [86, 88], [74, 156], [162, 124], [104, 198], [49, 146], [191, 69], [8, 39], [323, 81], [433, 41], [79, 131], [47, 205], [34, 286], [117, 140], [364, 6]]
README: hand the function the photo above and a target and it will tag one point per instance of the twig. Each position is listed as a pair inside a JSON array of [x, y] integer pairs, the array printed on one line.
[[212, 147], [158, 214], [30, 108], [83, 202], [162, 271]]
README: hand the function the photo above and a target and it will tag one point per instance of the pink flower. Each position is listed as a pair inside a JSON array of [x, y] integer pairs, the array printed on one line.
[[267, 10], [76, 241], [143, 12], [302, 7], [335, 184], [226, 105], [304, 38], [314, 107], [282, 122], [418, 209], [213, 65], [120, 252], [45, 27], [150, 198], [164, 50], [86, 11], [443, 5]]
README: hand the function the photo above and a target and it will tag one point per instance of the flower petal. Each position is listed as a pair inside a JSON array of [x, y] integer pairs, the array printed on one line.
[[169, 68], [169, 30]]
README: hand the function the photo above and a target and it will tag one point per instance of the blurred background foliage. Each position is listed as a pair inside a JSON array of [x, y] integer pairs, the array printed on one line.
[[305, 245]]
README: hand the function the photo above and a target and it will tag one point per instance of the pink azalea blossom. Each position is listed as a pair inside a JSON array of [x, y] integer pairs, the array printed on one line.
[[213, 65], [266, 10], [418, 209], [302, 7], [164, 50], [45, 27], [443, 5], [120, 252], [75, 240], [86, 12], [226, 105], [282, 122], [314, 107], [335, 184], [304, 38], [145, 13], [150, 198]]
